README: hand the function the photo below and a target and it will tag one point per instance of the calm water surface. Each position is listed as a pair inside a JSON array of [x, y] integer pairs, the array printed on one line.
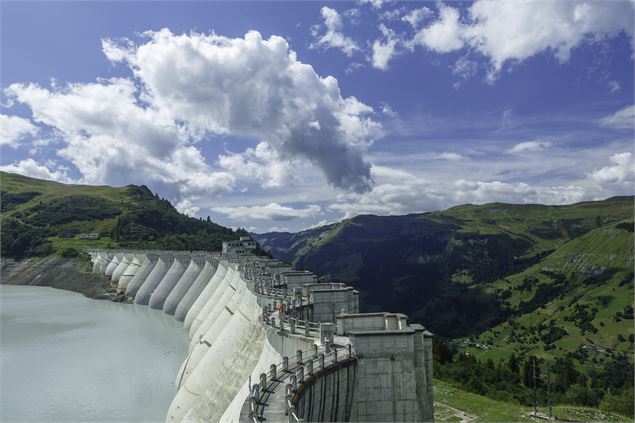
[[64, 357]]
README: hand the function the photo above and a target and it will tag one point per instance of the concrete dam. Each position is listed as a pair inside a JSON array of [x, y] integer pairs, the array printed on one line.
[[270, 343]]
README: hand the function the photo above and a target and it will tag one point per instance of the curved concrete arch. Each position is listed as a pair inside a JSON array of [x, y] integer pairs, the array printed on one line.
[[189, 269], [159, 271], [211, 302], [130, 271], [176, 303], [218, 319], [105, 262], [209, 314], [98, 259], [121, 267], [142, 274], [224, 367], [268, 356], [113, 264], [214, 308], [201, 300]]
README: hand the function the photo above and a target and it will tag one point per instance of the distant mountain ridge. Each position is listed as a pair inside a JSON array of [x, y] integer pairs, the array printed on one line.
[[447, 269]]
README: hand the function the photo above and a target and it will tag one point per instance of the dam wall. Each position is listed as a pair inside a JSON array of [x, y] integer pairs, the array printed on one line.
[[268, 343]]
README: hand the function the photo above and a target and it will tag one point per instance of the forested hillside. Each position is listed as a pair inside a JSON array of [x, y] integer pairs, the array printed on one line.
[[506, 285], [41, 217]]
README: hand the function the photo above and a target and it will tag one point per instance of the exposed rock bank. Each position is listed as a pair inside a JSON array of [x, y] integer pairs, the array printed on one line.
[[66, 273]]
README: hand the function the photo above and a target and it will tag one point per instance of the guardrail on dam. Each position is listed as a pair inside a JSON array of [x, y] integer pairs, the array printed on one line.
[[269, 343]]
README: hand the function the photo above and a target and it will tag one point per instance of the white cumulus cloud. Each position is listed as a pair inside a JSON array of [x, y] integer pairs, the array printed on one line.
[[194, 88], [376, 4], [384, 50], [256, 88], [416, 16], [620, 172], [261, 163], [510, 30], [443, 35], [271, 211], [333, 36], [112, 139], [13, 129], [30, 167], [516, 30]]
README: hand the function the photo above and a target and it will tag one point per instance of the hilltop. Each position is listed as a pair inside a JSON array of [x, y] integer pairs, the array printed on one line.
[[42, 217]]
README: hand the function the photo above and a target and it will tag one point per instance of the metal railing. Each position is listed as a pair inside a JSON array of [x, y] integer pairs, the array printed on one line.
[[209, 254], [303, 368]]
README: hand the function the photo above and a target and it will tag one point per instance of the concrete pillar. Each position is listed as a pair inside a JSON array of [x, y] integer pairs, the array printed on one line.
[[143, 274], [327, 333], [424, 396], [385, 380]]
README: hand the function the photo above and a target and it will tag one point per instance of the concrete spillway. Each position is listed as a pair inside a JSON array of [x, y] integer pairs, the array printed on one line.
[[253, 340]]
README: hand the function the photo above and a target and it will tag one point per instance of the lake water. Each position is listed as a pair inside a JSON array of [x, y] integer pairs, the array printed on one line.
[[64, 357]]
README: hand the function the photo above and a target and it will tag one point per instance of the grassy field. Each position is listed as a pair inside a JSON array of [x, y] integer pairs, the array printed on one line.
[[546, 227], [49, 191], [606, 250], [455, 405], [61, 244]]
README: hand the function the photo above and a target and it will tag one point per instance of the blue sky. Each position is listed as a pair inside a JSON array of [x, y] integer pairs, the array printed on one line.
[[287, 115]]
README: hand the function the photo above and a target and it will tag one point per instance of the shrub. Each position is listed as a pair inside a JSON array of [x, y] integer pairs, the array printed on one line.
[[69, 252]]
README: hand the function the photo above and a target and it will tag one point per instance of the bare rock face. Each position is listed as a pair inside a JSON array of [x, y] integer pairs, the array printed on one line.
[[66, 273]]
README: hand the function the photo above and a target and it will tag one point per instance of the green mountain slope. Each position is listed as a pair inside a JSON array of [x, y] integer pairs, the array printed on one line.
[[511, 285], [452, 404], [442, 267], [578, 299], [35, 212]]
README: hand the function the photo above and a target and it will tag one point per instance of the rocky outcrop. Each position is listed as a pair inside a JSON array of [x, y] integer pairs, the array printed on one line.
[[67, 273]]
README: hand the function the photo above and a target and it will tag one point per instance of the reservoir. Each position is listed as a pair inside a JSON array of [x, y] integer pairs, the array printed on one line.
[[67, 358]]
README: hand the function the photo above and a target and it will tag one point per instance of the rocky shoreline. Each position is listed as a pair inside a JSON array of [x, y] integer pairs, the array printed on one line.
[[68, 273]]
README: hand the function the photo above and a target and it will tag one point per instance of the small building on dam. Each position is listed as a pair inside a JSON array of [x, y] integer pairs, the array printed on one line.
[[270, 343]]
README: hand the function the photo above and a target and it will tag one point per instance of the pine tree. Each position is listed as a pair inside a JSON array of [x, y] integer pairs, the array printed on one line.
[[513, 364], [527, 372]]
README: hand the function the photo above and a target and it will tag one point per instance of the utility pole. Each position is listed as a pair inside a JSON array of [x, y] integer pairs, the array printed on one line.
[[535, 395], [549, 392]]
